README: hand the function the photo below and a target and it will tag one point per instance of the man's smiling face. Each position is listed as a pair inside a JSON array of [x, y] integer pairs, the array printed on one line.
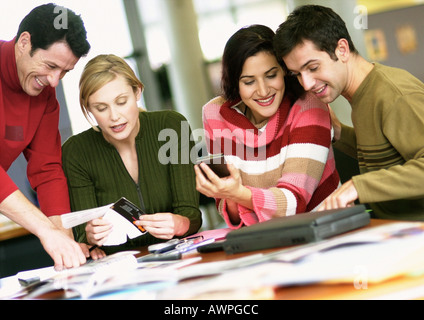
[[42, 68], [317, 72]]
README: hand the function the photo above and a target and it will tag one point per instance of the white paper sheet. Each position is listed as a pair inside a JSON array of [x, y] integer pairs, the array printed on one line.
[[122, 228]]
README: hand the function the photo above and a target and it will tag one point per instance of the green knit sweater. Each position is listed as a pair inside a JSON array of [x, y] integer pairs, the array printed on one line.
[[388, 140], [97, 176]]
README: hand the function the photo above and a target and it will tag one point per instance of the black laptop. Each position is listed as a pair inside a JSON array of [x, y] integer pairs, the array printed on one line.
[[297, 229]]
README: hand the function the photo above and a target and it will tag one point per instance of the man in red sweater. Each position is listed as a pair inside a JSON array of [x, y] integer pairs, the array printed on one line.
[[49, 43]]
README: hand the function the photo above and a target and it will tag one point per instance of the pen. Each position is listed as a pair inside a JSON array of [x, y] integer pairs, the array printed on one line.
[[29, 281], [160, 257], [89, 259], [172, 244], [164, 246]]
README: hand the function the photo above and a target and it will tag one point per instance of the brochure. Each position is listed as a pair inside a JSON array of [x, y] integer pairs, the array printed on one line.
[[122, 214]]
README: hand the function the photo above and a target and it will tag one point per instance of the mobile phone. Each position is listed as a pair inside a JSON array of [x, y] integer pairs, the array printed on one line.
[[217, 163]]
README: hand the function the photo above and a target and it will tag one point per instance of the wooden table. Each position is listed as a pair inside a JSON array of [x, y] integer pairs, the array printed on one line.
[[13, 233], [399, 288]]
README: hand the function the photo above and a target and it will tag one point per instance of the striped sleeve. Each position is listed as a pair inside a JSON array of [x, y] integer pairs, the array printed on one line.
[[298, 171]]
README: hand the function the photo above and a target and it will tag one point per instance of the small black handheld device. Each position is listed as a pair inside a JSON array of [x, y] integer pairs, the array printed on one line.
[[217, 163]]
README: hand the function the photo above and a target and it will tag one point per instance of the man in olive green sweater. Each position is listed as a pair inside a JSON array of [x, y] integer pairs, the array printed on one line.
[[387, 103]]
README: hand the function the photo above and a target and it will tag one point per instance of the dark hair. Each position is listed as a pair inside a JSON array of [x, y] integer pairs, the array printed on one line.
[[50, 23], [243, 44], [315, 23]]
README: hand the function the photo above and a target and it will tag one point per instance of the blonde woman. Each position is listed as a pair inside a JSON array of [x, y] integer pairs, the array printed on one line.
[[120, 157]]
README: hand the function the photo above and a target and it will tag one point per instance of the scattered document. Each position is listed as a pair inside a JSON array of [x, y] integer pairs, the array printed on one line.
[[114, 273], [361, 258], [86, 280], [367, 256]]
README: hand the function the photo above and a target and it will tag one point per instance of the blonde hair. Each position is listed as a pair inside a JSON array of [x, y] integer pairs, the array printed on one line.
[[101, 70]]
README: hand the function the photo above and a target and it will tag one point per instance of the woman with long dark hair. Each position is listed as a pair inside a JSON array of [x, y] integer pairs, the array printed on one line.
[[275, 137]]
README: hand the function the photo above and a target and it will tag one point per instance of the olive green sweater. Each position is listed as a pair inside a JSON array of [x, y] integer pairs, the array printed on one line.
[[388, 141], [97, 176]]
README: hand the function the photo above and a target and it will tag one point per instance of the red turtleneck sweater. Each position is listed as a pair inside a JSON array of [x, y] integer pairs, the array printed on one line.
[[30, 125]]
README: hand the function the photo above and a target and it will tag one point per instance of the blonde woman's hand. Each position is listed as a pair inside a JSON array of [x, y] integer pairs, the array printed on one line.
[[97, 231], [164, 225]]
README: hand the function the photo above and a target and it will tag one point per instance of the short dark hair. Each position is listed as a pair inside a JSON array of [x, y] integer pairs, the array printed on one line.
[[246, 42], [44, 25], [318, 24]]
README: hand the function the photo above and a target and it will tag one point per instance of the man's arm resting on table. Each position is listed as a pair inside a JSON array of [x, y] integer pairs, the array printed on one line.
[[65, 252]]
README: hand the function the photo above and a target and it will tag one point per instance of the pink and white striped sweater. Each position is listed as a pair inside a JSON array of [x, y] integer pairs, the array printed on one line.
[[289, 165]]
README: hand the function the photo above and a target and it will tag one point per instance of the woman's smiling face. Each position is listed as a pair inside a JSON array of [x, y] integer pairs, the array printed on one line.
[[261, 85]]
